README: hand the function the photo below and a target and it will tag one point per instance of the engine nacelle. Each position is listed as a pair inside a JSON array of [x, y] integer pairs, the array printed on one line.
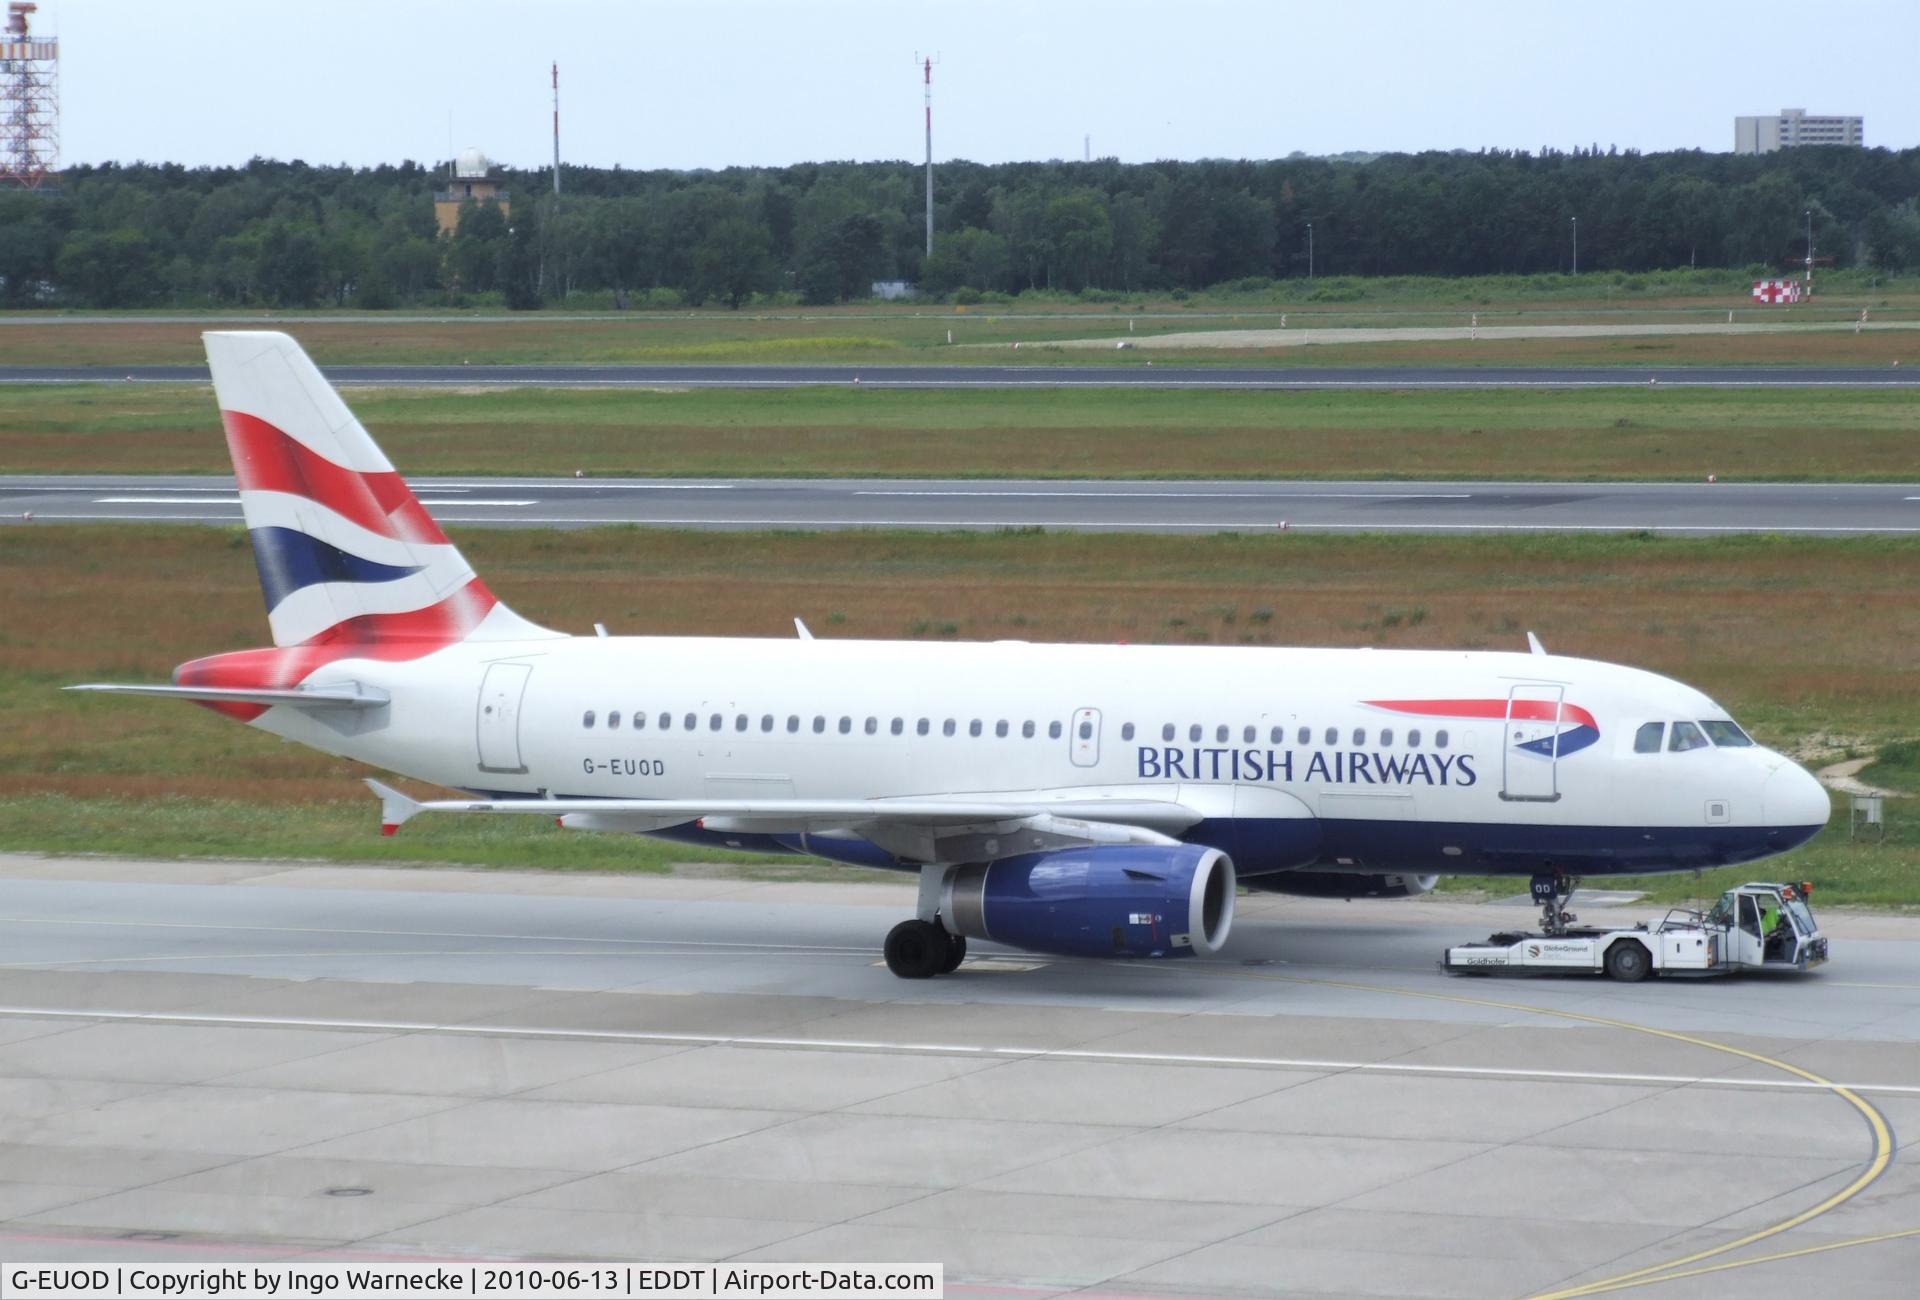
[[1342, 884], [1115, 900]]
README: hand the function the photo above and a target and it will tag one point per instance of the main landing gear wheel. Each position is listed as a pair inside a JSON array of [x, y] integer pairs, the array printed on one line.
[[956, 953], [918, 950], [1628, 962]]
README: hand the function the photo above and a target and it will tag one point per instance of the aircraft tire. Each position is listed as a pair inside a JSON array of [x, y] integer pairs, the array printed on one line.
[[1628, 962], [956, 953], [916, 950]]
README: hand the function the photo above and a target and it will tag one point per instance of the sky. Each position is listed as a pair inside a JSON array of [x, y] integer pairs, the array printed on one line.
[[661, 83]]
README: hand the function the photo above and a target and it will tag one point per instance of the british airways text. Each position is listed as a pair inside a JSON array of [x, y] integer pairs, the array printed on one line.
[[1333, 767]]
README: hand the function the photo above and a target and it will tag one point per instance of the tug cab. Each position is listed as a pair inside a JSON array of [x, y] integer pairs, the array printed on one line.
[[1768, 925]]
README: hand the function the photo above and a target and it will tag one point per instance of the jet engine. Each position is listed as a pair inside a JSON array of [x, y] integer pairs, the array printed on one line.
[[1341, 884], [1116, 900]]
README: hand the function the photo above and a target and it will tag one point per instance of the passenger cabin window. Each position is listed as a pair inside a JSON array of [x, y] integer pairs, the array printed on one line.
[[1440, 738], [873, 726], [1359, 735], [1386, 736], [1053, 731], [740, 722], [1333, 735], [1685, 736], [586, 719], [713, 722], [1275, 736], [793, 722], [1725, 734], [691, 722], [1026, 729], [1166, 732], [923, 726], [613, 720], [898, 726], [1220, 734], [846, 725], [946, 728], [1126, 730], [639, 721], [1413, 738], [1647, 739], [973, 728], [1086, 731], [766, 722], [666, 722], [1304, 737], [1194, 732], [819, 723], [1247, 736], [1000, 728]]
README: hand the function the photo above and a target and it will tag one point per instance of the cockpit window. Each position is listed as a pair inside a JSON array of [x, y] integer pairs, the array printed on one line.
[[1647, 739], [1685, 736], [1725, 734]]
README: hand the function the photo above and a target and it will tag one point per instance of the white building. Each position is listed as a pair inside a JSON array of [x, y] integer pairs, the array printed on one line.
[[1792, 128]]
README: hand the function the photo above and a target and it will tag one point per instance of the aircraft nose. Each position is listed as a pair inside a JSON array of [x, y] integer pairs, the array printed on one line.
[[1796, 806]]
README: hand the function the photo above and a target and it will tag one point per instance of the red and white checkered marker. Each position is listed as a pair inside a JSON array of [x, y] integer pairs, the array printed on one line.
[[1776, 291]]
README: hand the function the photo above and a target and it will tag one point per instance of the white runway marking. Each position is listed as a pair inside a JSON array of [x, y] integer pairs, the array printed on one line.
[[943, 1049], [1207, 496], [234, 501]]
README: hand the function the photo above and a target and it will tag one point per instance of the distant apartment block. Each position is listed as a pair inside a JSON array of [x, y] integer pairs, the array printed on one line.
[[1793, 127]]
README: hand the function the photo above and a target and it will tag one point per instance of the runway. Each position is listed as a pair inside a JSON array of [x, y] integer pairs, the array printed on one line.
[[1125, 375], [1171, 506], [254, 1060]]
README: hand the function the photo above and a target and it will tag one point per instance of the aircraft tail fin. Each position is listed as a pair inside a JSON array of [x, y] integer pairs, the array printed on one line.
[[346, 552]]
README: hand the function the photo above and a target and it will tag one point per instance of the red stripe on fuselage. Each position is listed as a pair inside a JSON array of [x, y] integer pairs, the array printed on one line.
[[1525, 710], [266, 460]]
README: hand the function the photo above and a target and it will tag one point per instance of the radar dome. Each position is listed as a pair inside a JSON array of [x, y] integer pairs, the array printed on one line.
[[471, 162]]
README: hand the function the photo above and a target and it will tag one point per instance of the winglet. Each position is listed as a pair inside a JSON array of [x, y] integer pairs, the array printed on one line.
[[806, 634], [1533, 644], [395, 808]]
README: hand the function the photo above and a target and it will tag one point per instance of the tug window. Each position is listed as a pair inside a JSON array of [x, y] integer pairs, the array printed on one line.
[[1053, 731], [1685, 736], [1126, 730], [1026, 729], [613, 720], [1647, 739], [586, 719]]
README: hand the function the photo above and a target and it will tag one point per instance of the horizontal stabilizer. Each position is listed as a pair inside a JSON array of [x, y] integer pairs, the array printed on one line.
[[348, 696]]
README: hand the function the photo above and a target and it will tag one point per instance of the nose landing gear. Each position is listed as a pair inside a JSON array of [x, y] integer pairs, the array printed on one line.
[[1553, 890]]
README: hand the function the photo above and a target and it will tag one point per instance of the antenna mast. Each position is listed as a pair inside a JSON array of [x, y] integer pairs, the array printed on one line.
[[29, 101], [556, 130], [926, 66]]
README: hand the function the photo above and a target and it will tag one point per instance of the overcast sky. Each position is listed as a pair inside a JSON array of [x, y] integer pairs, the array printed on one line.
[[661, 83]]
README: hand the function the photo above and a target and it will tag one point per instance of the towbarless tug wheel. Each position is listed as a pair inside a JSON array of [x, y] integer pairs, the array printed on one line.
[[918, 950]]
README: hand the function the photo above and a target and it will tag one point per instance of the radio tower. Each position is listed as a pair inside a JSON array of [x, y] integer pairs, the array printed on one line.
[[556, 130], [927, 68], [29, 102]]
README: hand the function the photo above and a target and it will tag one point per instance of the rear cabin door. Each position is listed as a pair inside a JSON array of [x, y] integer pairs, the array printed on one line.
[[1083, 737], [1531, 747], [498, 718]]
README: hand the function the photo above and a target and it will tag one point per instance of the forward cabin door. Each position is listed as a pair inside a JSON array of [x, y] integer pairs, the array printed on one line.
[[1531, 746], [498, 718], [1083, 737]]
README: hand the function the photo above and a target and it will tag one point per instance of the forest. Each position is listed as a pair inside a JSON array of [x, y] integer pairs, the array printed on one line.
[[290, 234]]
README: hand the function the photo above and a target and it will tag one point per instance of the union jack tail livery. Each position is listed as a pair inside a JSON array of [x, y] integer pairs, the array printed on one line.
[[346, 553]]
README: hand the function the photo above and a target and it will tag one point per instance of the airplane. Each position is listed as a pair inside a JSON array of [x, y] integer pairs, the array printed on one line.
[[1075, 800]]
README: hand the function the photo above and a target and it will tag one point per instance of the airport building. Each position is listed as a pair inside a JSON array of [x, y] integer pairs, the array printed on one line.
[[470, 181], [1793, 127]]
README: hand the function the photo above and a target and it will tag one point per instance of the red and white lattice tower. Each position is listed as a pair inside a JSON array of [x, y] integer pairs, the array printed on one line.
[[29, 101]]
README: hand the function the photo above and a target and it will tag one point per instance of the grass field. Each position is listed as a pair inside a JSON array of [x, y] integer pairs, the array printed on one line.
[[985, 334], [1643, 433], [1808, 642]]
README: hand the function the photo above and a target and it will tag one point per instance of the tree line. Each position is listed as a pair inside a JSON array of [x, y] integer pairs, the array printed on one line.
[[287, 234]]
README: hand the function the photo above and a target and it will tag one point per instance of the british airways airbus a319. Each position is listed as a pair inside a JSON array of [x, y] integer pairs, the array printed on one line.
[[1080, 800]]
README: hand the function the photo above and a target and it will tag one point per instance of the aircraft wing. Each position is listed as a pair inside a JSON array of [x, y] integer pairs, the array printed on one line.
[[927, 829]]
